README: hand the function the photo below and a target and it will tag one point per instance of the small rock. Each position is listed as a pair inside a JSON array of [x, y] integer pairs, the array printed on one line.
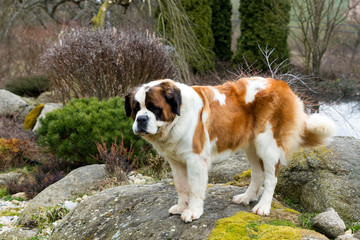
[[15, 202], [329, 223], [346, 237], [19, 195], [357, 235], [70, 205]]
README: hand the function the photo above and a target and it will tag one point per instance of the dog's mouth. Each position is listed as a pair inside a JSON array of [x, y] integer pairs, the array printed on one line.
[[143, 132]]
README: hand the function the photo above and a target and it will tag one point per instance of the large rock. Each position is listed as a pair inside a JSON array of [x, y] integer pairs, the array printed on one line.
[[13, 104], [18, 234], [78, 182], [225, 170], [48, 107], [7, 177], [325, 177], [329, 223], [141, 212]]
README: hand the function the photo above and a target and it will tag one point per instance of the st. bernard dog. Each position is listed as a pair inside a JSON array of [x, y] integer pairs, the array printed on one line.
[[194, 126]]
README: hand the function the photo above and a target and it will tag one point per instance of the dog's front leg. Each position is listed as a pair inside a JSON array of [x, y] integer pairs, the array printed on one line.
[[197, 171], [182, 187]]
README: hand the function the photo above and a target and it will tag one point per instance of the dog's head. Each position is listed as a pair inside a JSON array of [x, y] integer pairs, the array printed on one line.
[[153, 106]]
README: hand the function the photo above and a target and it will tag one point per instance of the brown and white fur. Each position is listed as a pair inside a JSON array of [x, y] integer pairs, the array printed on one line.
[[194, 126]]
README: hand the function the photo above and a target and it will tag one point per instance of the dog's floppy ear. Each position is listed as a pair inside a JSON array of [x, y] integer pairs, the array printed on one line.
[[172, 96], [128, 108]]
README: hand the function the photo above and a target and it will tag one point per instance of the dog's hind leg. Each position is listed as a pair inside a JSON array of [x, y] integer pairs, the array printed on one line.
[[197, 170], [257, 179], [271, 154], [182, 187]]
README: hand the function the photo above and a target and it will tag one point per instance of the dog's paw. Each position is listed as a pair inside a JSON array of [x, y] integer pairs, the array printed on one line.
[[191, 214], [177, 209], [244, 199], [262, 209]]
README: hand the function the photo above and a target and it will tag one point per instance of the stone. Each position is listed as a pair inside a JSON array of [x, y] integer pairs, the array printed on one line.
[[13, 104], [79, 181], [5, 177], [325, 177], [21, 195], [48, 107], [357, 235], [69, 205], [18, 233], [225, 170], [47, 97], [141, 212], [329, 223], [346, 237]]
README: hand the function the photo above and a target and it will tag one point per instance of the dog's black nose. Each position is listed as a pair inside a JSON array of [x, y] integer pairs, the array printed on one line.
[[142, 119]]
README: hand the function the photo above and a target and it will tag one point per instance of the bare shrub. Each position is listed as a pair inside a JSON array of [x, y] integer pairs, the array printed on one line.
[[105, 63], [119, 160]]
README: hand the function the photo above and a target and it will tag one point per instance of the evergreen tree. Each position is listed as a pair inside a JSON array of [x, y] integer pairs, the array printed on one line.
[[199, 13], [221, 27], [264, 24]]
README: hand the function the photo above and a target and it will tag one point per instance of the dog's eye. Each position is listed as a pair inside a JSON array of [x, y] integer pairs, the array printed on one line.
[[136, 108], [156, 110]]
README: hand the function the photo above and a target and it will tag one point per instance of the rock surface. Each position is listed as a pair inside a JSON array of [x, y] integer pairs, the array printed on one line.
[[325, 177], [141, 212], [5, 177], [329, 223], [346, 237], [19, 233], [48, 107], [357, 235], [77, 182], [225, 170], [13, 104]]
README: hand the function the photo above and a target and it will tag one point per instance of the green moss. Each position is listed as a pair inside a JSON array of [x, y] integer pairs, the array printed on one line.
[[245, 225], [31, 118], [242, 179]]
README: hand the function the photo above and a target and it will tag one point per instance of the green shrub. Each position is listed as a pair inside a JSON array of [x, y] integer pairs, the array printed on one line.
[[30, 86], [73, 131], [32, 116], [264, 24], [221, 27]]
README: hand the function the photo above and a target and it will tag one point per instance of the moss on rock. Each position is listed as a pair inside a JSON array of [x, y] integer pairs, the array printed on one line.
[[32, 116], [245, 226], [242, 179]]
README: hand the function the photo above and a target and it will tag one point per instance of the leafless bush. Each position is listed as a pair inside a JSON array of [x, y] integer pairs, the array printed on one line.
[[119, 160], [105, 62]]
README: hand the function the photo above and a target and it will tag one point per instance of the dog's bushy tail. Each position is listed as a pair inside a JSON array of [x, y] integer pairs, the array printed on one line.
[[319, 130]]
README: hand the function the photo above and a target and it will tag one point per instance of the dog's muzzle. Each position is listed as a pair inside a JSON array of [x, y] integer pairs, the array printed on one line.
[[142, 124]]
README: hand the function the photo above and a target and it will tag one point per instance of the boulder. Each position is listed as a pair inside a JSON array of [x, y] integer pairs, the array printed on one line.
[[141, 212], [18, 233], [77, 182], [13, 104], [325, 177], [6, 177], [225, 170], [48, 107], [329, 223]]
